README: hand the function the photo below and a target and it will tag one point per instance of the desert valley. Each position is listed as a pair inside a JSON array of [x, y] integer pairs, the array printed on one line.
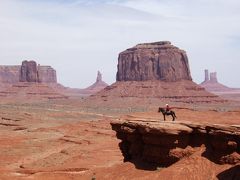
[[49, 131]]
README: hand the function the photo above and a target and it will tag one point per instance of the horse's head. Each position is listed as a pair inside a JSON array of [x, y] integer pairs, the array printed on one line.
[[160, 109]]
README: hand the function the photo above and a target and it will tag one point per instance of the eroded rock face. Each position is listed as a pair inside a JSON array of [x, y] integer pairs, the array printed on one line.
[[153, 61], [47, 74], [212, 84], [29, 72], [9, 74], [166, 143]]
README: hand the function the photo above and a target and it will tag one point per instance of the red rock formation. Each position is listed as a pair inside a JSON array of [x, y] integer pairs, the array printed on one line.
[[99, 84], [29, 72], [15, 74], [212, 84], [157, 71], [91, 90], [47, 74], [165, 143], [28, 91], [9, 74], [153, 61]]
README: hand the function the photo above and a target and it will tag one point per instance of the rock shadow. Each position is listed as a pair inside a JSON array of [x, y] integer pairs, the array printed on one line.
[[230, 174]]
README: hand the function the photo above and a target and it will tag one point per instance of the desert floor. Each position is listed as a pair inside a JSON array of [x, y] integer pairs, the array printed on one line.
[[66, 140]]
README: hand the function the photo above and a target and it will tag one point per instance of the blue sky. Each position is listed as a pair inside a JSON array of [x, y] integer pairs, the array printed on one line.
[[79, 37]]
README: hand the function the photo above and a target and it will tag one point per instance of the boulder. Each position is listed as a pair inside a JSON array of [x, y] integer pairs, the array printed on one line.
[[153, 61]]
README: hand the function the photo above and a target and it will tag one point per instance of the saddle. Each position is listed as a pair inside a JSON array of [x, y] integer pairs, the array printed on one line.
[[168, 113]]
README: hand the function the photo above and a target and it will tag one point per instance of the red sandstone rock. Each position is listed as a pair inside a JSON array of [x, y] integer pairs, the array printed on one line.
[[154, 70], [166, 143], [212, 85], [47, 74], [14, 74], [9, 74], [98, 85], [153, 61], [29, 72]]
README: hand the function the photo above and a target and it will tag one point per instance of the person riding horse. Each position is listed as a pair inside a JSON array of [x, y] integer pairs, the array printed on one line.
[[167, 108], [167, 111]]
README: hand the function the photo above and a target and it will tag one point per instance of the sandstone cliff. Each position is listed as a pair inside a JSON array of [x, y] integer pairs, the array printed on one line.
[[153, 61], [47, 74], [165, 143], [156, 71], [9, 74], [27, 72], [212, 85]]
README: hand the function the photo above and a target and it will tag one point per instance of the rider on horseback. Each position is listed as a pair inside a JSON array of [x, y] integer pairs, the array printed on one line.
[[167, 108]]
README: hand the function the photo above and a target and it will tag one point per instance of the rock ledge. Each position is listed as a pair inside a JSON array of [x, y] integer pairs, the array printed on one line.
[[165, 143]]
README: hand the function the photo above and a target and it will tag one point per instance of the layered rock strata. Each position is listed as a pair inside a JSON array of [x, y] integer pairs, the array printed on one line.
[[158, 71], [180, 91], [165, 143], [29, 71], [31, 91], [9, 74], [153, 61]]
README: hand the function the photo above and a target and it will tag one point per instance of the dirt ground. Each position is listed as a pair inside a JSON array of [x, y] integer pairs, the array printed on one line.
[[66, 140]]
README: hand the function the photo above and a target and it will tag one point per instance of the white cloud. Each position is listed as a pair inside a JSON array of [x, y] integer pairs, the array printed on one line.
[[80, 37]]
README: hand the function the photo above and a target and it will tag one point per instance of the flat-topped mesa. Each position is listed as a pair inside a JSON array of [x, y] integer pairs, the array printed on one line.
[[47, 74], [31, 72], [153, 61]]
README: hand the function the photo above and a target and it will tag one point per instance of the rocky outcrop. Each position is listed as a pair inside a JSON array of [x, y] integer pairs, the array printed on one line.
[[212, 84], [165, 143], [99, 84], [152, 92], [153, 61], [29, 71], [28, 91], [9, 74], [47, 74], [157, 71]]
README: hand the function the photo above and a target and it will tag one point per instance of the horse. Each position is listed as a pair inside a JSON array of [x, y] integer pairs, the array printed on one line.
[[167, 113]]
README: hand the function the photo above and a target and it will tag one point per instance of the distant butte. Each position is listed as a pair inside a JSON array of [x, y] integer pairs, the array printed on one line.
[[29, 71], [212, 85], [91, 90], [153, 61], [154, 70], [29, 82], [98, 85]]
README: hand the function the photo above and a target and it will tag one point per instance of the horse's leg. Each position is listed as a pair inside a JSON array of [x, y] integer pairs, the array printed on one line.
[[173, 117], [164, 117]]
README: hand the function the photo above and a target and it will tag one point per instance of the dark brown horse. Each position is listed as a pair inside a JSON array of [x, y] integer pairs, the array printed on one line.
[[167, 113]]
